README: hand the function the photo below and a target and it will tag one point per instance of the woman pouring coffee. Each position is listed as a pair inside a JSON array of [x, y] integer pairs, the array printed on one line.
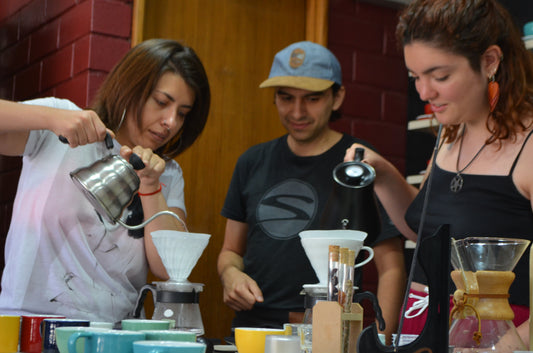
[[468, 61], [62, 257]]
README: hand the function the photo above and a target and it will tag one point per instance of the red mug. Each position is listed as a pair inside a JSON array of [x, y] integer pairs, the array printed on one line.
[[30, 332]]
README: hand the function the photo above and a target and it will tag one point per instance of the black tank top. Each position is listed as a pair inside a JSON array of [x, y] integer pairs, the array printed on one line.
[[487, 205]]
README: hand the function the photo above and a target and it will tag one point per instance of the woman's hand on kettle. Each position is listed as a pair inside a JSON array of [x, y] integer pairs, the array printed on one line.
[[79, 127], [241, 292], [370, 157], [154, 167]]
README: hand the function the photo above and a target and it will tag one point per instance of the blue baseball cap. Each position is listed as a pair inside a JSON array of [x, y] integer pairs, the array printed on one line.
[[305, 65]]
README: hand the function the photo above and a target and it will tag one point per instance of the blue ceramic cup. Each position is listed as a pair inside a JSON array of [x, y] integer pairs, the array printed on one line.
[[48, 334], [105, 341], [168, 347]]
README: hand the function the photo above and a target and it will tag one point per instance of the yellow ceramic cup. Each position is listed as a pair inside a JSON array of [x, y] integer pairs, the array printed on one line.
[[9, 333], [252, 339]]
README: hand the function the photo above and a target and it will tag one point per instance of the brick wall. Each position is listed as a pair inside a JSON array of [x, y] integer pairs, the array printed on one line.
[[362, 37], [61, 48]]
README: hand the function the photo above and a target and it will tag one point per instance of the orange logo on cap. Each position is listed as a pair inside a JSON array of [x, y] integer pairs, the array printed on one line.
[[297, 58]]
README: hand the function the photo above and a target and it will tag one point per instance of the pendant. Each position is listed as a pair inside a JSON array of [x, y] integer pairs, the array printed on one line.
[[457, 183]]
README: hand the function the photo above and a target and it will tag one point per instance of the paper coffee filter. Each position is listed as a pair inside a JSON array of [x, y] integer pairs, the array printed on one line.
[[316, 246], [179, 251]]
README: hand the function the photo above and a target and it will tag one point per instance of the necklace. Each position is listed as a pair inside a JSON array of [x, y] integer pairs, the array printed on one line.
[[457, 181]]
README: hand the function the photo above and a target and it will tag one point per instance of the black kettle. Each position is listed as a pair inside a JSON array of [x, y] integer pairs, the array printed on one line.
[[352, 203]]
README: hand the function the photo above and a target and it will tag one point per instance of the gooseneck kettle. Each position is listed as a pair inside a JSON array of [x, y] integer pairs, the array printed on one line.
[[110, 184], [352, 203]]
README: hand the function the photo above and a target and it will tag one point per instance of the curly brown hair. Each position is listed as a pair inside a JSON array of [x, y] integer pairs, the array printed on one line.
[[468, 28]]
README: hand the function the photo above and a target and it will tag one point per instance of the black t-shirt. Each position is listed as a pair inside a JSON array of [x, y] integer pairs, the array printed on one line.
[[279, 194]]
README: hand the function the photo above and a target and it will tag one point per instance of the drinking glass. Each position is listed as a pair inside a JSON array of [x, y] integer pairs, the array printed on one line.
[[306, 337]]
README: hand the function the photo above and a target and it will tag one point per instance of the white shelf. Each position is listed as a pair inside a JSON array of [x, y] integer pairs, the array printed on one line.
[[409, 244], [423, 122], [415, 179], [528, 41]]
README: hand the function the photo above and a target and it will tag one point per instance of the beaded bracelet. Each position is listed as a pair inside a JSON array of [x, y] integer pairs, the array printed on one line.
[[152, 193]]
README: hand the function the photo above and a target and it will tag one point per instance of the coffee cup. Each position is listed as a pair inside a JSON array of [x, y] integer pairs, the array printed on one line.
[[63, 334], [143, 324], [169, 335], [9, 333], [30, 332], [252, 339], [105, 341], [168, 347], [48, 334]]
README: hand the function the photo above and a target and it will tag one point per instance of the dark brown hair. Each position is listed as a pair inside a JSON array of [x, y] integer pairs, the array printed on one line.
[[129, 85], [468, 28]]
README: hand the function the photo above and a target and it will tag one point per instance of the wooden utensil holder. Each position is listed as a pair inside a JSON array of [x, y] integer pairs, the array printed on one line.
[[328, 319]]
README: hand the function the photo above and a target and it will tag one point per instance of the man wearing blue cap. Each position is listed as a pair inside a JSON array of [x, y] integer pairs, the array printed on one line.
[[279, 188]]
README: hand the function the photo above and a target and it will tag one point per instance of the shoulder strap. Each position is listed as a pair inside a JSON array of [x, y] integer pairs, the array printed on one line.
[[520, 152]]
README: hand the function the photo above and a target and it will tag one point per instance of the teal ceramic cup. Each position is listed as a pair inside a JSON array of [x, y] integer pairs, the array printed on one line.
[[63, 334], [168, 347], [143, 324], [107, 341], [101, 324], [528, 29], [169, 335]]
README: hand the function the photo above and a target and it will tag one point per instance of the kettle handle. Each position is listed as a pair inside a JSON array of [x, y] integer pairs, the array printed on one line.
[[108, 140], [140, 299], [359, 154], [134, 160]]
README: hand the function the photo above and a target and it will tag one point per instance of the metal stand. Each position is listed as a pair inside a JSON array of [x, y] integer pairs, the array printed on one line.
[[434, 257]]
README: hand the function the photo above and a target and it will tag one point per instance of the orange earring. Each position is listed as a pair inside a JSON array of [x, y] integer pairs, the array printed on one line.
[[494, 93]]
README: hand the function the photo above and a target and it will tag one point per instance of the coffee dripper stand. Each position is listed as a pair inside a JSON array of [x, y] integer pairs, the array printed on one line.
[[481, 315], [351, 205], [335, 326], [177, 299], [176, 302]]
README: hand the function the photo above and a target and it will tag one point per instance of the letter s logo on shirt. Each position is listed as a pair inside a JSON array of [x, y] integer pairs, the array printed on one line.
[[287, 208]]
